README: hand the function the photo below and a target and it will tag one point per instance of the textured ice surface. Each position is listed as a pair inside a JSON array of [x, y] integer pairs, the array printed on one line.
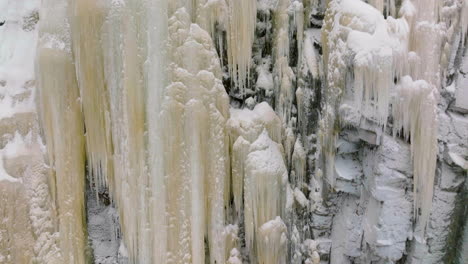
[[359, 154]]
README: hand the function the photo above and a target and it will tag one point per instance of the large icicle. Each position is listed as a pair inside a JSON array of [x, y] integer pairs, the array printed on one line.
[[265, 183], [242, 17], [415, 112], [124, 56], [195, 192], [87, 18], [63, 128], [415, 109]]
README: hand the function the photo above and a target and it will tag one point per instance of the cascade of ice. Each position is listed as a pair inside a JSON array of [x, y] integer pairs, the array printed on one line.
[[415, 107], [62, 124], [259, 181], [156, 20], [415, 112], [196, 96], [124, 42], [299, 26], [87, 18], [265, 179], [376, 46], [381, 51], [284, 75], [242, 16]]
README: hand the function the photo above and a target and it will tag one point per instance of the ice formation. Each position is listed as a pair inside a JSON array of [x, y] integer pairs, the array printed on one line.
[[233, 131], [242, 15], [415, 113], [384, 50], [86, 24], [63, 129]]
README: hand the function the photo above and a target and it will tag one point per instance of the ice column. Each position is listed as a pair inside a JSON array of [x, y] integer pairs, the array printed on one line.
[[415, 112], [242, 17], [87, 18], [196, 191], [62, 123], [259, 180]]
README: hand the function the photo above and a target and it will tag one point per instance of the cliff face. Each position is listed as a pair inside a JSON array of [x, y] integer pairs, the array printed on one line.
[[233, 131]]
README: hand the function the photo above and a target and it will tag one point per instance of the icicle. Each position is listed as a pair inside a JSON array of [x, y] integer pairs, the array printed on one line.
[[299, 164], [281, 20], [63, 128], [265, 182], [284, 75], [354, 28], [299, 20], [288, 142], [240, 149], [415, 112], [258, 167], [242, 17], [86, 24], [195, 193]]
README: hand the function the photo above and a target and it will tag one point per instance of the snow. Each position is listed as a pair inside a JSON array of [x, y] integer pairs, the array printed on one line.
[[265, 78], [310, 53], [235, 257], [250, 123]]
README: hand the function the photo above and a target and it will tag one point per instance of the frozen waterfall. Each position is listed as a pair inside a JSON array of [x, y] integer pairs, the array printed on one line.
[[233, 131]]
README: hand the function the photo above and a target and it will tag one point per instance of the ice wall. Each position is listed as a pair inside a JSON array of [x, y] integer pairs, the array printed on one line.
[[296, 165], [196, 190]]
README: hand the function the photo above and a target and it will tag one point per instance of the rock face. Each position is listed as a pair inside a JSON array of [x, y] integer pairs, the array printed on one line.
[[234, 131]]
